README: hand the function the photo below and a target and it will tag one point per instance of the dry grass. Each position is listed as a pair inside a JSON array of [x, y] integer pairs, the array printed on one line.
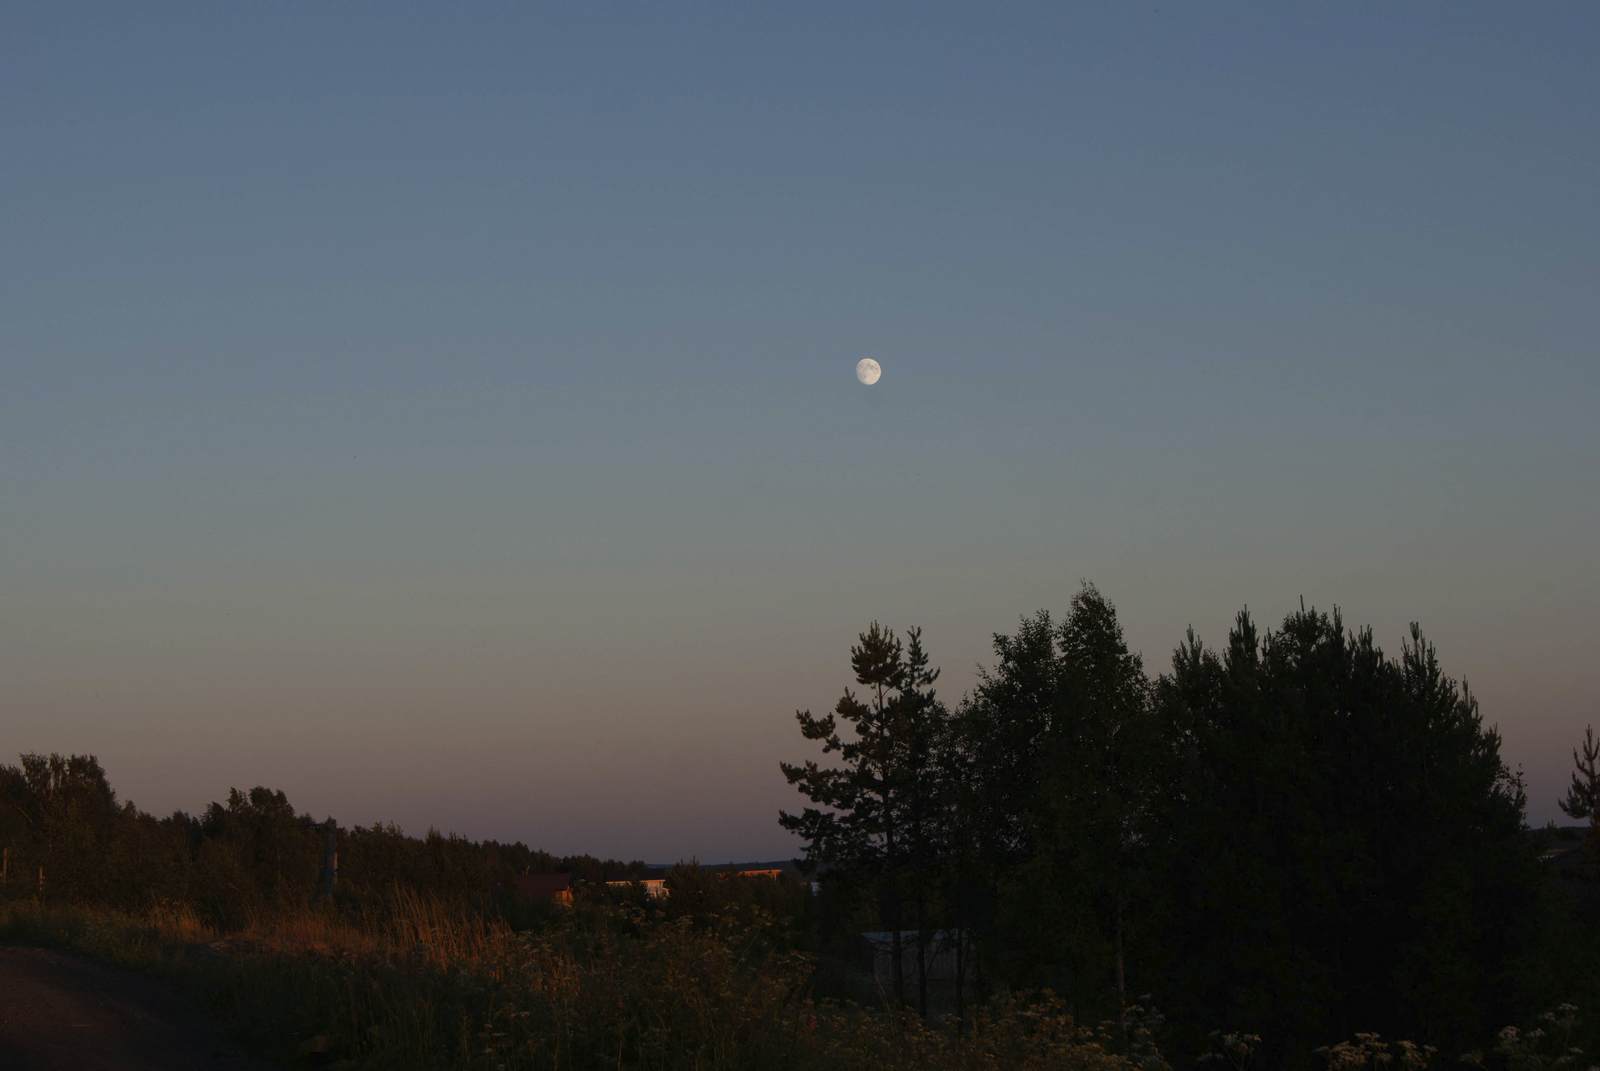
[[412, 982], [409, 981]]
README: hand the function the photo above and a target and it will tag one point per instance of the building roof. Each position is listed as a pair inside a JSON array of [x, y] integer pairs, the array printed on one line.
[[542, 886], [648, 874]]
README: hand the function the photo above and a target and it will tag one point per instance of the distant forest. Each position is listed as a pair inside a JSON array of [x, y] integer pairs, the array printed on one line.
[[1295, 838], [67, 838]]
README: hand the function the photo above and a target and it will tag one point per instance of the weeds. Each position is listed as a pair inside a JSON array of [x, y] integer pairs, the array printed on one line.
[[1547, 1047], [1369, 1052], [413, 982]]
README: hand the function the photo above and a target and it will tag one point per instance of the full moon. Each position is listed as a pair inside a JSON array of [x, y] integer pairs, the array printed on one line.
[[867, 371]]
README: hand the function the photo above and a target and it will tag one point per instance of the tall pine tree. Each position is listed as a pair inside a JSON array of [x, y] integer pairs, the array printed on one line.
[[877, 823]]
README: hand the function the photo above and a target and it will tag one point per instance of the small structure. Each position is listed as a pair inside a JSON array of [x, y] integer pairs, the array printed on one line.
[[654, 880], [773, 874], [940, 955], [556, 887]]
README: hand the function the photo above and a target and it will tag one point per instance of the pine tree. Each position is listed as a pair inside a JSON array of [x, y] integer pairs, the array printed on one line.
[[920, 724], [1347, 848], [879, 827], [1583, 795]]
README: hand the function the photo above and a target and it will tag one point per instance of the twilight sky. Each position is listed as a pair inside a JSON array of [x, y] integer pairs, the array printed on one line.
[[447, 413]]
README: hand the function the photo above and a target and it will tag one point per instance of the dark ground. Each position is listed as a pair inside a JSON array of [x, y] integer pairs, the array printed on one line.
[[62, 1013]]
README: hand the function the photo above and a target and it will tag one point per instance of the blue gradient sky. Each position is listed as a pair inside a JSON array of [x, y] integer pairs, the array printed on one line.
[[446, 413]]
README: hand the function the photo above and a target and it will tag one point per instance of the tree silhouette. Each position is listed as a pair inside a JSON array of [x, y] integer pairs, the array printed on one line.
[[1583, 795], [1348, 849], [1067, 750], [879, 827]]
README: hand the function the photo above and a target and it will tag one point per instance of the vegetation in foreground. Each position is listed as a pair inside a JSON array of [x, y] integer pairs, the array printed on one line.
[[414, 983], [411, 982]]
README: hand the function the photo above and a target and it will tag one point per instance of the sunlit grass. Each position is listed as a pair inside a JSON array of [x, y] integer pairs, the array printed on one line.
[[410, 981]]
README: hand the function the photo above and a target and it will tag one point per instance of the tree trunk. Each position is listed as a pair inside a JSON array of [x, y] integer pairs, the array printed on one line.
[[961, 977], [898, 951], [891, 858], [1122, 988], [922, 949]]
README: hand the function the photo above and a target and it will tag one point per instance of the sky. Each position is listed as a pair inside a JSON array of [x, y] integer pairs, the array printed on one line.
[[447, 413]]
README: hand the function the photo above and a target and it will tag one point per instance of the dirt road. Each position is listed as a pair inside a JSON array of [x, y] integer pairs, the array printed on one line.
[[62, 1013]]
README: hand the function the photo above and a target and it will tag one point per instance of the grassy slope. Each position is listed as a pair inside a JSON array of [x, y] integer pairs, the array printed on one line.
[[414, 983]]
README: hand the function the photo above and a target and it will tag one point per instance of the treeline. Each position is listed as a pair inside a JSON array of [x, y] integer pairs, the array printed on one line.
[[67, 839], [1295, 836]]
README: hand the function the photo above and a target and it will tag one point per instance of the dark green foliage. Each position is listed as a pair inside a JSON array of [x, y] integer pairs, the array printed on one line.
[[706, 894], [879, 824], [1349, 852], [238, 862], [61, 830], [1068, 708], [1296, 837], [1583, 795]]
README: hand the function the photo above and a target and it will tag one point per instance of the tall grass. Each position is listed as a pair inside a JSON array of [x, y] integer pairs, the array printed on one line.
[[409, 981], [144, 941]]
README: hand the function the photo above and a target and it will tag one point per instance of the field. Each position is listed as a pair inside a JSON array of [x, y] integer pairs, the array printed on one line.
[[411, 981]]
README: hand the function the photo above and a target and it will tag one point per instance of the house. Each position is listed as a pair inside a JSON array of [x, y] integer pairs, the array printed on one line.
[[556, 887], [654, 880]]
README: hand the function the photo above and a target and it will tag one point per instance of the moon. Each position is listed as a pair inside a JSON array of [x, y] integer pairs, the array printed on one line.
[[868, 371]]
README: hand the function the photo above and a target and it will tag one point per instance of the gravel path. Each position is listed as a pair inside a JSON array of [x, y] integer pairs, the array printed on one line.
[[62, 1013]]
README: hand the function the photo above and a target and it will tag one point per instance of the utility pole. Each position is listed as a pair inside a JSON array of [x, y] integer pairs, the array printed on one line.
[[330, 857]]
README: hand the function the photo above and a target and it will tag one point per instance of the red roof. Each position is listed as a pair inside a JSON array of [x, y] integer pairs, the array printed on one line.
[[542, 886]]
